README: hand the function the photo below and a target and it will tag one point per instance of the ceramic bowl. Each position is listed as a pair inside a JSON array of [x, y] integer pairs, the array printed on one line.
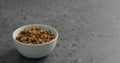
[[35, 50]]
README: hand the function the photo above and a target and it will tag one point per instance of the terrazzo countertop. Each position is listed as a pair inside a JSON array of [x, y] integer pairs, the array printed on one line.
[[89, 30]]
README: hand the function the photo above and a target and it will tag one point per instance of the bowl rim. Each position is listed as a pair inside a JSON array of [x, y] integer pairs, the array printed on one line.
[[35, 25]]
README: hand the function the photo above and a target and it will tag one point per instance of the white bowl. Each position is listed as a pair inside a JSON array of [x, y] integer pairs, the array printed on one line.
[[35, 50]]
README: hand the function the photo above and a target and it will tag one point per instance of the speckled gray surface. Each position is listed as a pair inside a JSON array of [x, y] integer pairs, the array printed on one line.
[[89, 30]]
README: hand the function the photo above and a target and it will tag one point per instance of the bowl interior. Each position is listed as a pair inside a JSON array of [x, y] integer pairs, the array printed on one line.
[[44, 27]]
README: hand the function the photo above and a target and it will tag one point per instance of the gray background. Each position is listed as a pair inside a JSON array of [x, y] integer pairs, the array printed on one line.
[[89, 30]]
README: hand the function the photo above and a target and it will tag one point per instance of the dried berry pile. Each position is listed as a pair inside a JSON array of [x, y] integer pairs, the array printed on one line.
[[35, 35]]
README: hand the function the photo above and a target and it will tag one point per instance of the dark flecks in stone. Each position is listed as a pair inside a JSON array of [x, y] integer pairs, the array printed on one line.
[[98, 62], [64, 47], [5, 19], [108, 36], [65, 15], [52, 60], [56, 11], [76, 39], [87, 37], [98, 50], [1, 43], [103, 58], [55, 26], [73, 50], [4, 23], [37, 15], [1, 13], [74, 45], [0, 6], [75, 61], [56, 4], [87, 56], [22, 10], [87, 22], [100, 35], [73, 29], [64, 7], [66, 38], [92, 34], [82, 32], [61, 39], [78, 21], [70, 54], [91, 59], [56, 55], [82, 18], [51, 15], [24, 18], [57, 45], [83, 46], [42, 15], [90, 38], [63, 19]]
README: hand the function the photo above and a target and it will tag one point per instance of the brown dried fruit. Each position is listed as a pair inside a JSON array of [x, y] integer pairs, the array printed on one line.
[[23, 38], [35, 35]]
